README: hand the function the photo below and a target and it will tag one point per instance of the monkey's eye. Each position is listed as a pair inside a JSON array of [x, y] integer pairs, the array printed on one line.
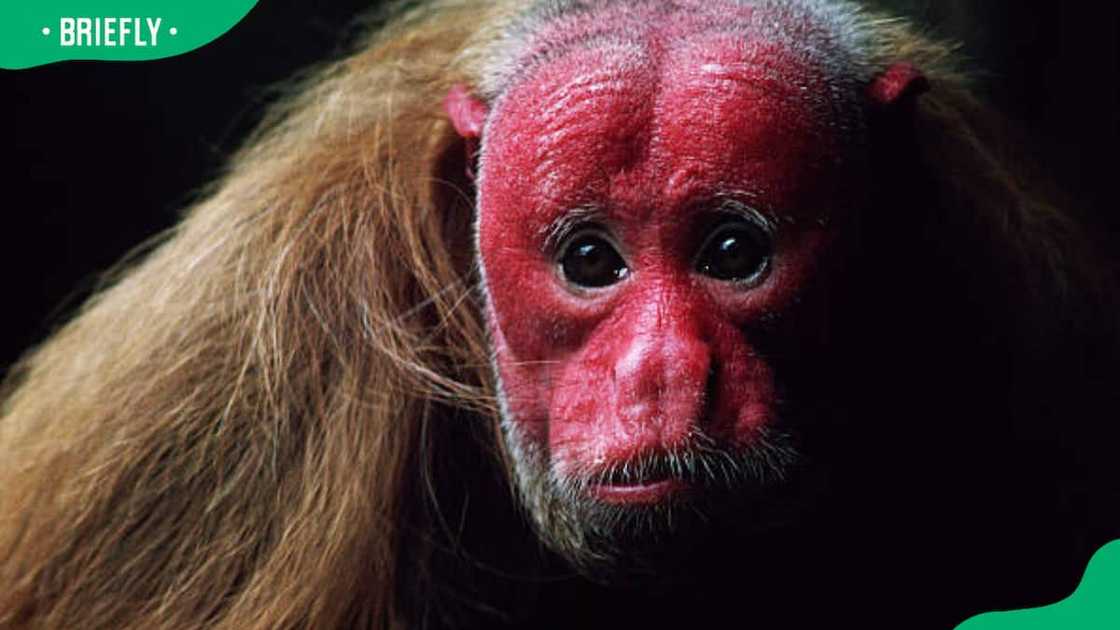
[[590, 261], [736, 251]]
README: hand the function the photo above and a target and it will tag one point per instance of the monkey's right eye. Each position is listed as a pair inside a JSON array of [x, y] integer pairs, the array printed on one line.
[[590, 261]]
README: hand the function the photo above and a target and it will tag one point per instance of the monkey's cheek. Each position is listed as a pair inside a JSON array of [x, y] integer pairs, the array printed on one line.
[[523, 416], [745, 406], [522, 392]]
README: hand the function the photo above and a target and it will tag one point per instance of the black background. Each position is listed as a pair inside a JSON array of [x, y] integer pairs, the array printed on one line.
[[99, 156]]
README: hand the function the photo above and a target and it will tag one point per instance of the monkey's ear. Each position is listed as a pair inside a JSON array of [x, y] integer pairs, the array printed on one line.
[[467, 113], [897, 84]]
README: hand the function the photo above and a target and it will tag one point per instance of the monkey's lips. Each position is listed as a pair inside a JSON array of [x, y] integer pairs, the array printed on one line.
[[647, 493], [650, 483], [651, 476]]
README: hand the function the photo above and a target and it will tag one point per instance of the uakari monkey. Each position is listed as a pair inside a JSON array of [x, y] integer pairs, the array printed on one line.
[[740, 308]]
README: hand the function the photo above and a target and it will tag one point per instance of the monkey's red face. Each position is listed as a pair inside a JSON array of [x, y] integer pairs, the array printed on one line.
[[649, 216]]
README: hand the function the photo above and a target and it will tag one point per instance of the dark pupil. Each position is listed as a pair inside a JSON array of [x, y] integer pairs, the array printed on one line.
[[592, 262], [737, 253]]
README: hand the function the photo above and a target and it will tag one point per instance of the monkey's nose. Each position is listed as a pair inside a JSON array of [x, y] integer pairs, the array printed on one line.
[[665, 379]]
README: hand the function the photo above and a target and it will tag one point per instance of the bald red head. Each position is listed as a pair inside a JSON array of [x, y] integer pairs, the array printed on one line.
[[659, 183]]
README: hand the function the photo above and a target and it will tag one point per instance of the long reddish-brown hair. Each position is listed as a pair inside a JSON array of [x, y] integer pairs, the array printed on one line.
[[231, 435]]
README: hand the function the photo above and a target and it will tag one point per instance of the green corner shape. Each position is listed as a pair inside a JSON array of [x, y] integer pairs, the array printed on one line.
[[1095, 605], [38, 32]]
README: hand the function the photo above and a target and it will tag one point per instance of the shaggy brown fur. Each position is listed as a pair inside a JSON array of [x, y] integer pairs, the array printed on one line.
[[235, 433]]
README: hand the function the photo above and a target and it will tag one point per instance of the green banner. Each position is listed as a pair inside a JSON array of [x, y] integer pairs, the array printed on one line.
[[37, 32], [1095, 605]]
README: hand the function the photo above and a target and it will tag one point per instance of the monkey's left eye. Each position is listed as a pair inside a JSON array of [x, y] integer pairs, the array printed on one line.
[[736, 251], [590, 261]]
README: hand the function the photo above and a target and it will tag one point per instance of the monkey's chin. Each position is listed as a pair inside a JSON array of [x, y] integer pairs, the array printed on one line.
[[655, 510], [650, 534]]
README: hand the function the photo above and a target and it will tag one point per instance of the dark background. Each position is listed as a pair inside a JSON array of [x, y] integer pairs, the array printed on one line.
[[100, 156]]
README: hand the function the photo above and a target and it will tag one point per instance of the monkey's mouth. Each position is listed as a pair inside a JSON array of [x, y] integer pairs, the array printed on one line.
[[640, 493], [649, 481]]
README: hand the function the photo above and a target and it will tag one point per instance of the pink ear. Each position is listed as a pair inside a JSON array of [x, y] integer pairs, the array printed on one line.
[[898, 83], [467, 113]]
